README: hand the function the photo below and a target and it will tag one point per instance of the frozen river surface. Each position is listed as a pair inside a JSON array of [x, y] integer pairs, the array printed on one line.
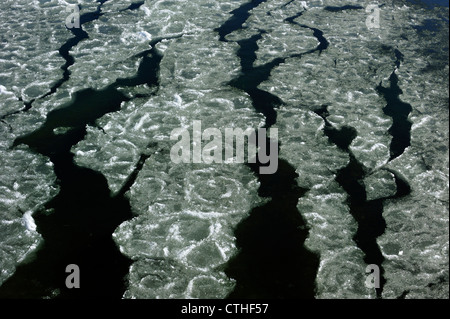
[[358, 91]]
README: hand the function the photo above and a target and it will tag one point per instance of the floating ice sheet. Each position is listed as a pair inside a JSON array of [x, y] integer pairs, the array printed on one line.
[[26, 183], [187, 212], [304, 145], [32, 32], [381, 184]]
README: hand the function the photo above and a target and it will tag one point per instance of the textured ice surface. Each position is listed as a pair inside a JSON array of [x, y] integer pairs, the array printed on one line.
[[29, 63], [188, 92], [187, 213], [416, 239], [32, 32], [113, 40], [182, 234], [380, 184], [343, 77], [186, 221], [307, 148], [303, 144], [26, 182]]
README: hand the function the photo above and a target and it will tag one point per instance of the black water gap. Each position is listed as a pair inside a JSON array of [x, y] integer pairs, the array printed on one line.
[[367, 214], [272, 261], [77, 224], [251, 77], [398, 111], [286, 4], [318, 34], [134, 6], [342, 8], [238, 18]]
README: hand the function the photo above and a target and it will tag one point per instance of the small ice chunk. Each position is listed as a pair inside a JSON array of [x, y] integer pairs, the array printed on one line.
[[61, 130], [29, 221], [145, 35], [380, 184]]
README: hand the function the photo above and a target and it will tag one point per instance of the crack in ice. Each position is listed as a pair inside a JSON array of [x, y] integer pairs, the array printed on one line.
[[367, 213], [77, 224], [398, 111], [286, 268]]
